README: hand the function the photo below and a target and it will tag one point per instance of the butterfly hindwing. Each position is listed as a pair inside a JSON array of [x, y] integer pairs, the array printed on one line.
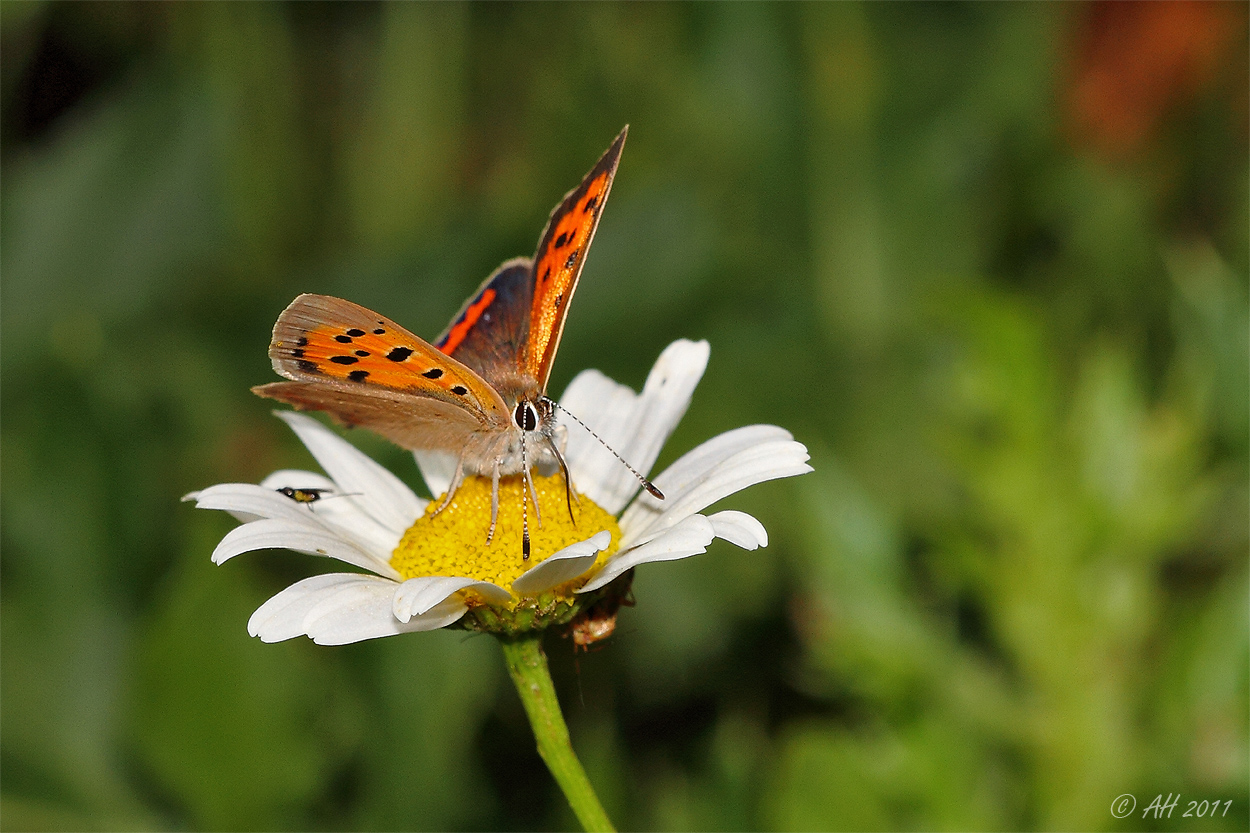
[[367, 370], [490, 332], [558, 261]]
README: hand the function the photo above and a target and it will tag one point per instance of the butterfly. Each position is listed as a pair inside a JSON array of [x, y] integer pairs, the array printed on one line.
[[479, 390]]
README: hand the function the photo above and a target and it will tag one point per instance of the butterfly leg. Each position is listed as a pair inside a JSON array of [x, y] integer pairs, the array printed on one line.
[[529, 483], [494, 499], [538, 513], [456, 480], [570, 496]]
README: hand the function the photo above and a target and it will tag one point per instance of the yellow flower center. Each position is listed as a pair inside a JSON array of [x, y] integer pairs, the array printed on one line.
[[453, 542]]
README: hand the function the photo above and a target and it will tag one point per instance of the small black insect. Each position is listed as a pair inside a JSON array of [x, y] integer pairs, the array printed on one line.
[[302, 495]]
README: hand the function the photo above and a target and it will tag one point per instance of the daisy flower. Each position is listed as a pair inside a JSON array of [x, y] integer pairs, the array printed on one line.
[[419, 567]]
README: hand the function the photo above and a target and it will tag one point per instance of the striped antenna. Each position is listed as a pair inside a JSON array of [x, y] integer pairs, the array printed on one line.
[[646, 484]]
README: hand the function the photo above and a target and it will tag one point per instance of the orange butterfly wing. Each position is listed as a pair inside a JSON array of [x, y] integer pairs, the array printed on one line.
[[559, 259], [364, 369]]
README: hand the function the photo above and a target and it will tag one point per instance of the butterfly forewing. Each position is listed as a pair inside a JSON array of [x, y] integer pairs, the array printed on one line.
[[365, 368], [558, 261]]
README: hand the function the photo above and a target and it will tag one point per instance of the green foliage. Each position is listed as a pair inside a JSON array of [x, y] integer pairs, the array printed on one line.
[[1017, 348]]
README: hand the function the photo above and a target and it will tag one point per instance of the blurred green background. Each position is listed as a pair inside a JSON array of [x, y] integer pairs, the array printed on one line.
[[989, 262]]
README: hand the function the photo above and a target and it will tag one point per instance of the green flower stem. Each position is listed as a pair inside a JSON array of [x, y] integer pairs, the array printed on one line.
[[528, 666]]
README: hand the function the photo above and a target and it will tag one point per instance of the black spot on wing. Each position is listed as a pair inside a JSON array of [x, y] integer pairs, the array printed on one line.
[[307, 366], [301, 342], [591, 202], [355, 332], [362, 353], [459, 390], [379, 332], [344, 359], [298, 353], [343, 339], [398, 354], [562, 240], [358, 375], [546, 274]]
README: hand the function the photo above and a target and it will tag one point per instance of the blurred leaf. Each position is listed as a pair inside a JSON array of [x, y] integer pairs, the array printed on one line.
[[824, 783], [405, 146], [230, 731], [97, 222], [432, 693]]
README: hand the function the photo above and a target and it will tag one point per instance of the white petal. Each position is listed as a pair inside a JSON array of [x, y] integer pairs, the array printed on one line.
[[437, 469], [635, 426], [248, 502], [739, 528], [358, 623], [339, 608], [565, 565], [690, 490], [303, 536], [282, 617], [606, 408], [690, 537], [382, 494], [338, 509], [364, 611], [416, 596], [701, 459], [664, 400]]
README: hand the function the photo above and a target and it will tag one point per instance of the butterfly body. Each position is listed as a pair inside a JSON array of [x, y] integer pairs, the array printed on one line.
[[479, 390]]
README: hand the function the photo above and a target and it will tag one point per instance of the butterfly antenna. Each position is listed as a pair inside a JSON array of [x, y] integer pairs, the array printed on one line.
[[646, 484], [525, 523]]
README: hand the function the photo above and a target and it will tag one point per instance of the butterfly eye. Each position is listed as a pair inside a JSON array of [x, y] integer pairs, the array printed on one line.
[[525, 417]]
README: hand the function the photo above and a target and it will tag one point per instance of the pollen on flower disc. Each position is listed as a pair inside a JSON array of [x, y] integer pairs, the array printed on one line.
[[453, 542]]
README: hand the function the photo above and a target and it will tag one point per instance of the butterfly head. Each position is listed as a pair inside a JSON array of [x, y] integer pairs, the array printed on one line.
[[534, 440], [525, 415]]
